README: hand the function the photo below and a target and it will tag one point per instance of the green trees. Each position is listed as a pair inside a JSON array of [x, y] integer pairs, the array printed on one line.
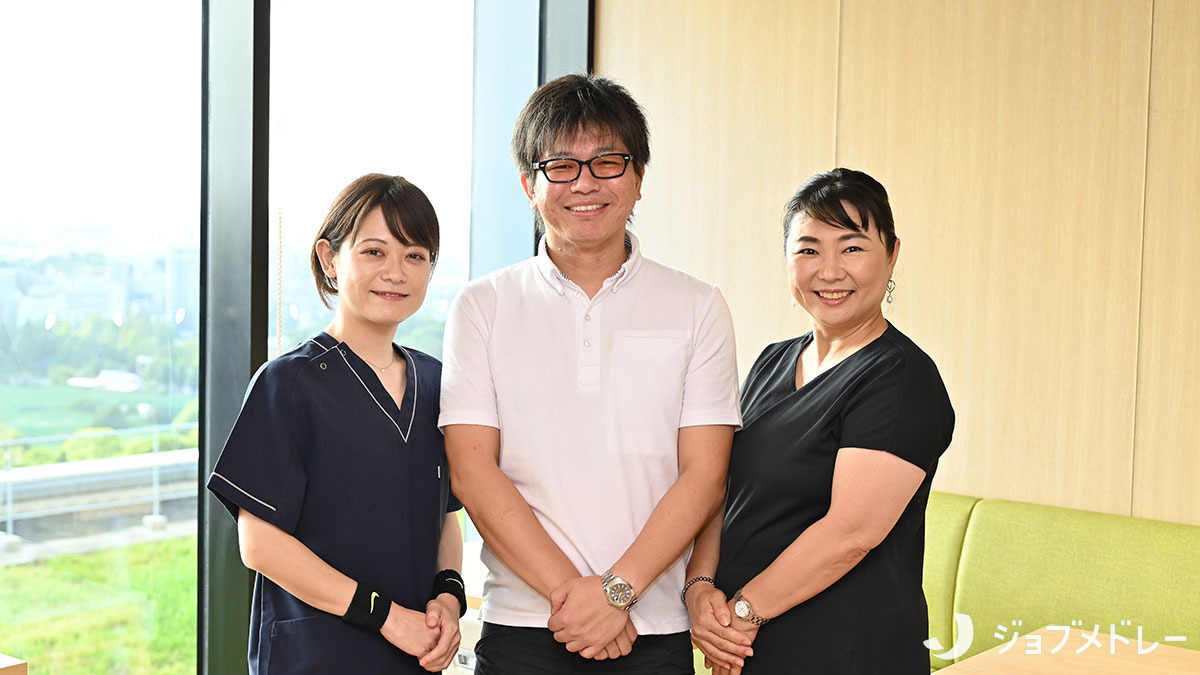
[[85, 445], [145, 345], [157, 368]]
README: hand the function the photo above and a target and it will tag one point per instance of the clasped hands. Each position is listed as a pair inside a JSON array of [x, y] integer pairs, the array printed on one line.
[[582, 619], [724, 639], [431, 636]]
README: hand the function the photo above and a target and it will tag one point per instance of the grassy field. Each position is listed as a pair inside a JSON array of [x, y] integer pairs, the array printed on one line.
[[124, 610], [44, 411]]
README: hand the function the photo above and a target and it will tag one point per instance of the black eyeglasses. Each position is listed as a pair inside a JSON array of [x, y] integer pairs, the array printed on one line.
[[568, 169]]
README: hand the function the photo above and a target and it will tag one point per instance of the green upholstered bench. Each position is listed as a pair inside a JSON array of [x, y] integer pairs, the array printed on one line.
[[946, 520], [1000, 561]]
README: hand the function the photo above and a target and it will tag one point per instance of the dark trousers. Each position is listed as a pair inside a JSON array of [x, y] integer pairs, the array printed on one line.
[[510, 650]]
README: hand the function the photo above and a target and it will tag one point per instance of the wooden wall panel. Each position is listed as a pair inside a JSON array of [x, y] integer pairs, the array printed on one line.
[[1011, 136], [1043, 168], [1167, 443], [740, 98]]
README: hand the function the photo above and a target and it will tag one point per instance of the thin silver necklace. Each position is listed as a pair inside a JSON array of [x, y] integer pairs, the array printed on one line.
[[369, 363], [381, 370]]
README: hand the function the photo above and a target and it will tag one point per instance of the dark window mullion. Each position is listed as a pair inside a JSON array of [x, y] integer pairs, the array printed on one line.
[[233, 295]]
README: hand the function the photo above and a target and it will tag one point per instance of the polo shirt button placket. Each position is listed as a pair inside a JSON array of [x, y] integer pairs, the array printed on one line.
[[589, 356]]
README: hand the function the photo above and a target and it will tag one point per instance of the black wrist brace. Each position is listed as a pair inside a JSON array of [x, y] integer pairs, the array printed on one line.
[[449, 581], [369, 608]]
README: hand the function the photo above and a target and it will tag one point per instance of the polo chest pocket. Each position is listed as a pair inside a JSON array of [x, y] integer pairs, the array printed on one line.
[[650, 340], [648, 368]]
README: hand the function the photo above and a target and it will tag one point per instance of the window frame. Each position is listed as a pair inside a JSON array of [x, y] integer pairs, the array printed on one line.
[[233, 296]]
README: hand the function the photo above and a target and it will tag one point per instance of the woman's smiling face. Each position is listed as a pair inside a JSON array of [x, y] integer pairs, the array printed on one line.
[[380, 280], [839, 276]]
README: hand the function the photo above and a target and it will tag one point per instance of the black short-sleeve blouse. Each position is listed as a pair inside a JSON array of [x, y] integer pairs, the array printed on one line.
[[321, 450], [887, 396]]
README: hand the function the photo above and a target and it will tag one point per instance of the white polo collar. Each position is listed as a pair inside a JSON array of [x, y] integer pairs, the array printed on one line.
[[559, 281]]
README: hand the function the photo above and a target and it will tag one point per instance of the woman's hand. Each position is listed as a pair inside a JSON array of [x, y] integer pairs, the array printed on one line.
[[723, 645], [748, 630], [722, 670], [441, 614], [408, 631]]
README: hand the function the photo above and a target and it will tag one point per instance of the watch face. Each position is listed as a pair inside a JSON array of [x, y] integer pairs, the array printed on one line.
[[620, 593], [741, 608]]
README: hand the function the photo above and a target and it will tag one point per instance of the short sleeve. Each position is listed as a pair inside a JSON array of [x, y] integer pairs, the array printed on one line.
[[468, 392], [260, 469], [710, 387], [900, 407]]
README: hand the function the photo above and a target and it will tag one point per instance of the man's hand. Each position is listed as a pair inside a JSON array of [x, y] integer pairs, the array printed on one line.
[[441, 614], [622, 645], [582, 619], [722, 644], [408, 631]]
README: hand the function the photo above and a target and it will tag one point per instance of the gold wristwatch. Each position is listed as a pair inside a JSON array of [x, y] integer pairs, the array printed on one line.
[[743, 610], [618, 591]]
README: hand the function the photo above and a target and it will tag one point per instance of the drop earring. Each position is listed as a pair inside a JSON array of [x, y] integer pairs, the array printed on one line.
[[890, 287]]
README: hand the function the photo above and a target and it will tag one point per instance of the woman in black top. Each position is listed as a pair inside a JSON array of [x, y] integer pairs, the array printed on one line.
[[817, 561]]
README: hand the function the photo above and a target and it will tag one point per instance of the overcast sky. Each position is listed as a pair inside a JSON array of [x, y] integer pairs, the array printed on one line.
[[100, 117]]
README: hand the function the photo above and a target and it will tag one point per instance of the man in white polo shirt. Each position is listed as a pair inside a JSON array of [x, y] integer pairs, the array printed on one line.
[[589, 398]]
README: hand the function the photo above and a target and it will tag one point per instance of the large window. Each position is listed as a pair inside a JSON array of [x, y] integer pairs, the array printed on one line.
[[100, 269], [99, 334], [378, 86]]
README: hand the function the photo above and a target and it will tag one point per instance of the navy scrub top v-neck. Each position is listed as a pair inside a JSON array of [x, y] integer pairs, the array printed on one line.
[[321, 451], [886, 396]]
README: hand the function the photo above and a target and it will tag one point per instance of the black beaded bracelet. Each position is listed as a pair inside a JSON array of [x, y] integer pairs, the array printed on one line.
[[368, 608], [450, 581], [683, 593]]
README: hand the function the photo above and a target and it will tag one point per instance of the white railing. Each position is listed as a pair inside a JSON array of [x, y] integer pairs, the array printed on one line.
[[90, 484]]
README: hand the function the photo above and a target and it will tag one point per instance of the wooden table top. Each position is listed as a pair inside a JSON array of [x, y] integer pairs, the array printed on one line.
[[1045, 651]]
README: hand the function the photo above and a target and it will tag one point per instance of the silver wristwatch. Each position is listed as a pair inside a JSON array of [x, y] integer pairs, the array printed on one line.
[[618, 592], [743, 610]]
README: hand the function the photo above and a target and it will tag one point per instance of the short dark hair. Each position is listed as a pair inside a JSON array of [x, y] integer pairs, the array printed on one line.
[[821, 197], [409, 215], [572, 103]]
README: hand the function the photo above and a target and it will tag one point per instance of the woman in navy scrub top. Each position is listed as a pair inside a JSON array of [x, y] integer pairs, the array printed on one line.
[[816, 564], [335, 469]]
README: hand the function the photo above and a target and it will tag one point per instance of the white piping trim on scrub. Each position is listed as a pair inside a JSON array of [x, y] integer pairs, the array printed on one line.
[[416, 389], [243, 491], [381, 408], [321, 346]]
